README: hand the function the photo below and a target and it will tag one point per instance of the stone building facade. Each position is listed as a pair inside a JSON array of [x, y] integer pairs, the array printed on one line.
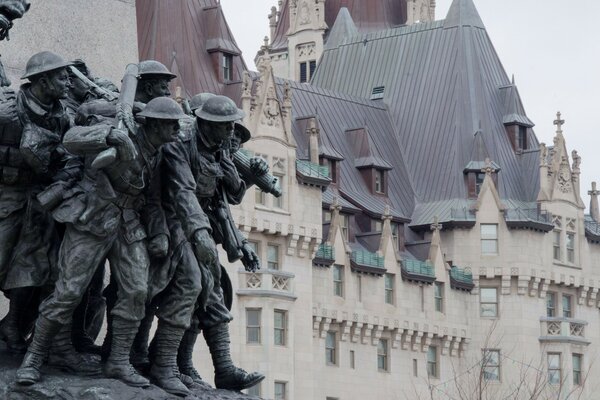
[[426, 244]]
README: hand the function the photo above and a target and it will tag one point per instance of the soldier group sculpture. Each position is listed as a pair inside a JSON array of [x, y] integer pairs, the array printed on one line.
[[93, 176]]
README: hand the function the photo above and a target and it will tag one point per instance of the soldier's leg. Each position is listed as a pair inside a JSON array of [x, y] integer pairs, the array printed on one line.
[[174, 313], [78, 257], [88, 315], [129, 264], [10, 227], [214, 322]]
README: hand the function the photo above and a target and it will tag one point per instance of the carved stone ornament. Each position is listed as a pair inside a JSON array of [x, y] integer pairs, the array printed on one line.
[[304, 14], [564, 178], [305, 50], [271, 110]]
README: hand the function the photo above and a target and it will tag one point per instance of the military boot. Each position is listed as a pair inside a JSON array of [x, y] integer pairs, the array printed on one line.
[[63, 356], [9, 327], [139, 350], [184, 356], [29, 371], [164, 372], [227, 375], [117, 364], [81, 340]]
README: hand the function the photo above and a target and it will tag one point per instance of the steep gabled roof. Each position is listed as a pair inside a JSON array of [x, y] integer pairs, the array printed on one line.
[[181, 34], [338, 113], [442, 83], [342, 29], [367, 15]]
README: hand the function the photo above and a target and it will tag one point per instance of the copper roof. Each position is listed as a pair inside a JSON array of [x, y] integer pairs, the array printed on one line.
[[181, 34]]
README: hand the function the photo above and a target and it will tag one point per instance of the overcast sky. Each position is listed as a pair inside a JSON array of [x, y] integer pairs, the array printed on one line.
[[551, 46]]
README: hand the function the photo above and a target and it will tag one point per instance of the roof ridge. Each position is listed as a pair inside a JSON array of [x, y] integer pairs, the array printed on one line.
[[463, 13]]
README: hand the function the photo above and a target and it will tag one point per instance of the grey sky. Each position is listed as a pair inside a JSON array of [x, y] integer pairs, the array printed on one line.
[[551, 46]]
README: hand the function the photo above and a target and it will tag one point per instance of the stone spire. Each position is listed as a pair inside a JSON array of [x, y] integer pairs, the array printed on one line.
[[313, 131], [594, 209]]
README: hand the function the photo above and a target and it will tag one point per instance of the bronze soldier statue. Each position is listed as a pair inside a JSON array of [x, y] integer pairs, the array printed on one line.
[[102, 218], [200, 179], [31, 158]]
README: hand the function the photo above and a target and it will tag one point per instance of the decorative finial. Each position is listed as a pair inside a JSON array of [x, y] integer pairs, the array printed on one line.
[[559, 122], [436, 226], [594, 191], [488, 169], [387, 213], [576, 161], [335, 205], [266, 41]]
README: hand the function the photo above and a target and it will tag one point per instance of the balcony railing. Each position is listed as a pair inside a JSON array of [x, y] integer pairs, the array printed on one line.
[[324, 256], [532, 218], [461, 278], [419, 271], [266, 282], [309, 173], [560, 329], [365, 261]]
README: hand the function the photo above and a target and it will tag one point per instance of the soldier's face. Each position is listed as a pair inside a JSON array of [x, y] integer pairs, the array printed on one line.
[[78, 88], [221, 131], [58, 84], [159, 88], [162, 131]]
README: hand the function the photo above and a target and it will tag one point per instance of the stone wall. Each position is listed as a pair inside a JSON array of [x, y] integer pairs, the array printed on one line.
[[102, 32]]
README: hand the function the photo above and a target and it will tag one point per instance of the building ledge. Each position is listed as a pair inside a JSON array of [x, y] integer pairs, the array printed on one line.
[[266, 293]]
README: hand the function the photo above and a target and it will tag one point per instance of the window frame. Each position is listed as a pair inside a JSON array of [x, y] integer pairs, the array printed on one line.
[[432, 364], [227, 60], [280, 331], [567, 312], [556, 245], [283, 385], [553, 370], [379, 181], [338, 282], [577, 377], [570, 246], [550, 308], [278, 201], [486, 364], [496, 303], [383, 356], [486, 238], [257, 327], [345, 226], [331, 352], [389, 290], [438, 295], [277, 263]]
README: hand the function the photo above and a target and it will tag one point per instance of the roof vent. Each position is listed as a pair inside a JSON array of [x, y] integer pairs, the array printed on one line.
[[377, 93]]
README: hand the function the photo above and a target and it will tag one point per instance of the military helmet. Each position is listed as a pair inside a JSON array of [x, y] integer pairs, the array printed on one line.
[[149, 69], [198, 100], [220, 109], [241, 131], [163, 108], [81, 66], [44, 61]]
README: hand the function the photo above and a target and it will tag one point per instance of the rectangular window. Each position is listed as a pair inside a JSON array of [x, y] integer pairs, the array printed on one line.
[[395, 236], [522, 138], [377, 226], [389, 289], [278, 201], [551, 304], [312, 65], [280, 328], [253, 325], [338, 280], [489, 239], [415, 368], [479, 177], [577, 369], [432, 362], [254, 390], [303, 72], [382, 355], [280, 390], [379, 181], [489, 302], [345, 222], [259, 196], [570, 247], [330, 348], [438, 289], [352, 362], [556, 244], [554, 369], [491, 365], [227, 67], [273, 256], [359, 287], [566, 306]]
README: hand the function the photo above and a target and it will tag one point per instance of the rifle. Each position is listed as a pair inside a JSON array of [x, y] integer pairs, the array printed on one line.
[[97, 90], [267, 182], [124, 114], [232, 242]]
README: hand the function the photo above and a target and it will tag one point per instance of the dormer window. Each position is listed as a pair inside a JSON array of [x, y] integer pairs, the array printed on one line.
[[307, 69], [380, 181], [479, 177], [475, 175], [517, 135], [522, 138], [227, 67], [332, 166]]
